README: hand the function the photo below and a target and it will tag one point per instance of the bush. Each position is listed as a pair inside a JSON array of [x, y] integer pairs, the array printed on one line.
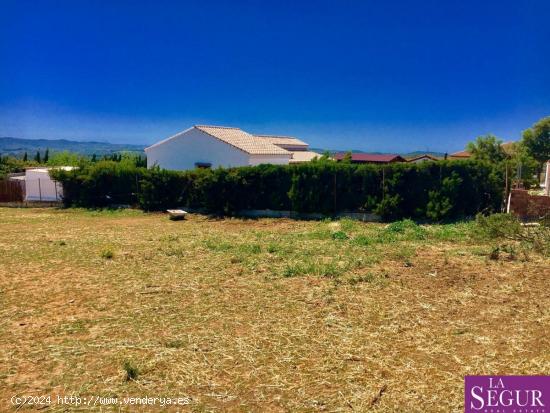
[[131, 370], [433, 190], [498, 226], [100, 184]]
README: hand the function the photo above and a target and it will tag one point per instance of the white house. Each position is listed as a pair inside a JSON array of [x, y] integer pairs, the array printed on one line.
[[213, 146]]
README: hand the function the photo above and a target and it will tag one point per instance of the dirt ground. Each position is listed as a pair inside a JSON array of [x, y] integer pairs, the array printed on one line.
[[260, 315]]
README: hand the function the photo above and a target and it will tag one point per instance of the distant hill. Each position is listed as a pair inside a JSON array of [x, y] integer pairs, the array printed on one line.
[[405, 155], [17, 146], [419, 153]]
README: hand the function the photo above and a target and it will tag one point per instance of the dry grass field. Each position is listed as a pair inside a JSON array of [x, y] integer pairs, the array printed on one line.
[[262, 315]]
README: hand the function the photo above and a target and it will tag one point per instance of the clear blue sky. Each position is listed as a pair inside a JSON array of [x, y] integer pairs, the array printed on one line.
[[371, 75]]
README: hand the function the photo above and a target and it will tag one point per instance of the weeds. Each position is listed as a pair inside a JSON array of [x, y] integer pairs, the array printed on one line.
[[131, 370], [107, 253], [498, 226], [506, 226], [368, 278], [329, 270], [339, 235], [405, 230], [217, 245]]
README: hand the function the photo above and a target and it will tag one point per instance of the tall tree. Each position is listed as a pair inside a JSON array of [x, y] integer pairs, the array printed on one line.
[[37, 157], [46, 155], [25, 157], [537, 141], [487, 148]]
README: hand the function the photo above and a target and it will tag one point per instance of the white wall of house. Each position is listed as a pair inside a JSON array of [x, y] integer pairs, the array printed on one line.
[[185, 149], [272, 159]]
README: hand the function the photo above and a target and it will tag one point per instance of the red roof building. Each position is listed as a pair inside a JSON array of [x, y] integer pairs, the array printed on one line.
[[460, 155]]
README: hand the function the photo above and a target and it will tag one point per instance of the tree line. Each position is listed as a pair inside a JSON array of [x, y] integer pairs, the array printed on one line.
[[11, 163]]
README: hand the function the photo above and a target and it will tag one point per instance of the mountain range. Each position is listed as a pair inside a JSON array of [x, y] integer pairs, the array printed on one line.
[[18, 146]]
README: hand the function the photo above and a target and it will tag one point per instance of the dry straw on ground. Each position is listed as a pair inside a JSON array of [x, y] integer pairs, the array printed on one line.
[[262, 315]]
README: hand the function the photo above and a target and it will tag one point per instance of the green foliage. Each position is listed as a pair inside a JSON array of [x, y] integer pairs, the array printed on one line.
[[131, 370], [11, 164], [498, 226], [339, 235], [537, 140], [107, 253], [64, 158], [522, 166], [347, 157], [431, 190], [100, 184], [404, 230], [442, 201], [487, 148], [506, 226]]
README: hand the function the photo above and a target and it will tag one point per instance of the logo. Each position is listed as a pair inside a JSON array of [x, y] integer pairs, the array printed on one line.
[[507, 394]]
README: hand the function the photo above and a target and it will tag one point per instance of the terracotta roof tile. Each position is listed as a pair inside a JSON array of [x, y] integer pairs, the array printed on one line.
[[461, 154], [283, 141], [242, 140]]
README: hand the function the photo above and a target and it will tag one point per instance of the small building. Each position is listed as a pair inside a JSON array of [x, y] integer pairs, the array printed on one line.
[[423, 158], [299, 149], [205, 146], [460, 155], [37, 184], [370, 158]]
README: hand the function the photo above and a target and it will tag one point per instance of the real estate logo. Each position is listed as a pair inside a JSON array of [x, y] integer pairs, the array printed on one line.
[[507, 394]]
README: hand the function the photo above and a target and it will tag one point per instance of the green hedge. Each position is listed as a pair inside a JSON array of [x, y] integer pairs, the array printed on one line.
[[430, 190]]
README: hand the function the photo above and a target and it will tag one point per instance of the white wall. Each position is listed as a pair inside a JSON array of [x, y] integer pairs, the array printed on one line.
[[185, 149], [273, 159], [40, 187]]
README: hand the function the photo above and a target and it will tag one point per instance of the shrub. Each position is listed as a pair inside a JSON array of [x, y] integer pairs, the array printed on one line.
[[433, 190], [107, 253], [131, 370], [404, 230], [339, 235], [498, 226]]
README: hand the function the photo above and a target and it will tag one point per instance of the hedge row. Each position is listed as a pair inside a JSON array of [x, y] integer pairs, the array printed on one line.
[[430, 190]]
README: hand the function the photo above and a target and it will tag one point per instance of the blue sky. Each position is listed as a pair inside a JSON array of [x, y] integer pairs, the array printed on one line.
[[372, 75]]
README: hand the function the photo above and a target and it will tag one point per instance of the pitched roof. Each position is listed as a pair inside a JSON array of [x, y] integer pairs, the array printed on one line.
[[235, 137], [303, 156], [242, 140], [370, 157], [283, 140], [427, 156], [461, 154]]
